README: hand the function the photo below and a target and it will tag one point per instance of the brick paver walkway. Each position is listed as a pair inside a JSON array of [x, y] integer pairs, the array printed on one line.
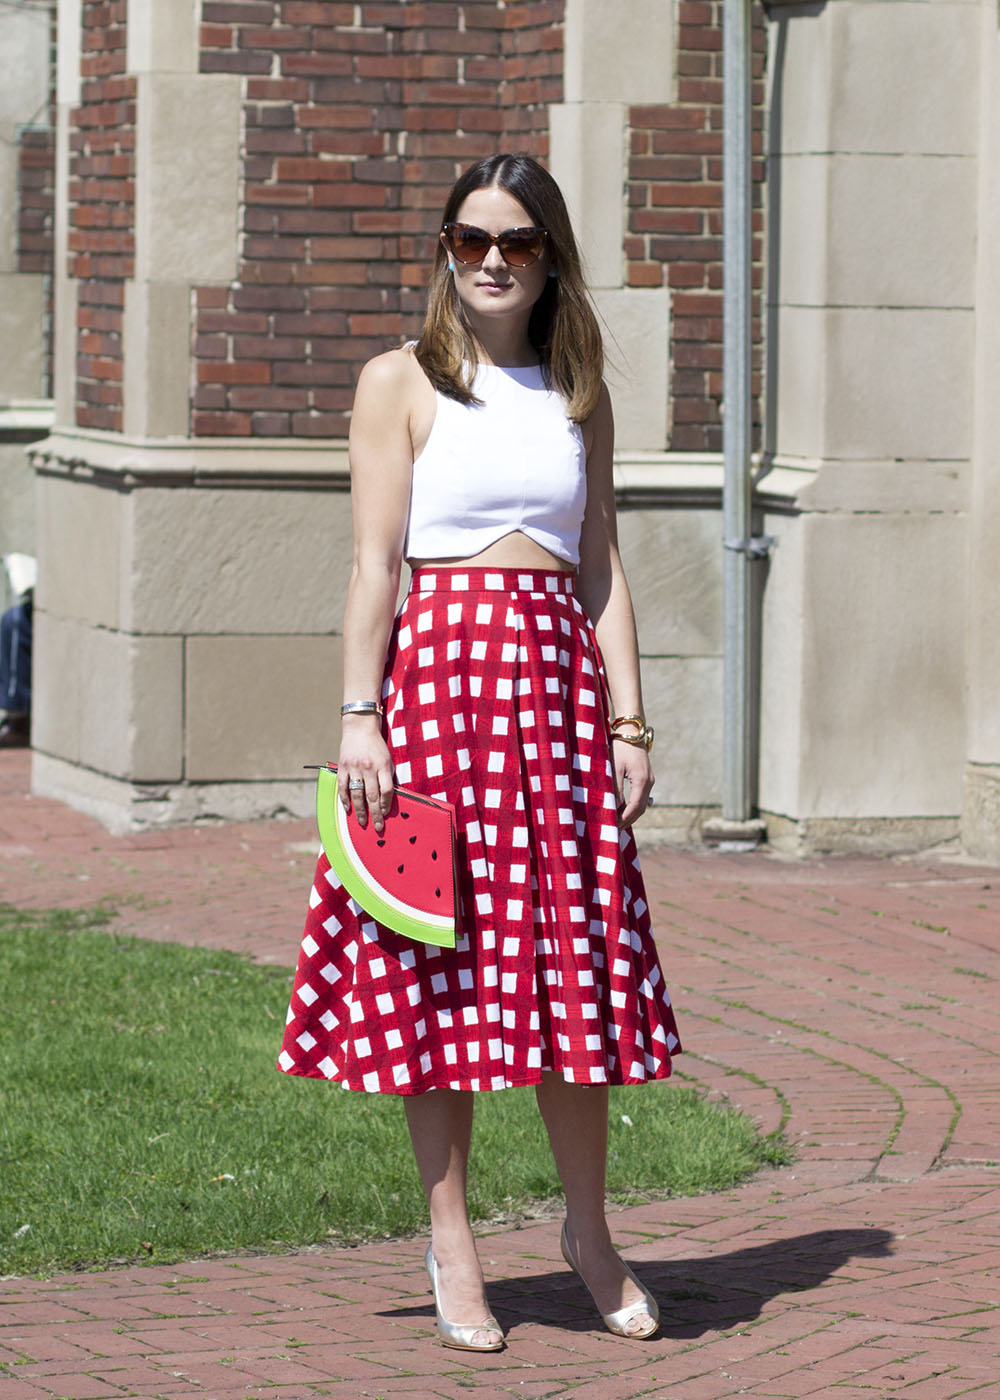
[[855, 998]]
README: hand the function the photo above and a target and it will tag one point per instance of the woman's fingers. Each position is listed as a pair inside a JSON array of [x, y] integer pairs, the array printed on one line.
[[364, 776], [367, 793], [359, 799], [635, 778], [380, 798]]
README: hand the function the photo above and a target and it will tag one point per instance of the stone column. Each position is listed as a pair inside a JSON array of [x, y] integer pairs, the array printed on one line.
[[618, 61], [981, 807], [616, 57], [188, 588], [871, 372], [246, 211], [25, 411]]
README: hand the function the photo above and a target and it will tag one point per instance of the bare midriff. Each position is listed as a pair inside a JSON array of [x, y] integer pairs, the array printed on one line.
[[514, 551]]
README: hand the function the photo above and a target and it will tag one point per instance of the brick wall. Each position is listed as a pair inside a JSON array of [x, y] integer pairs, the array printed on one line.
[[101, 235], [36, 162], [358, 118], [36, 199], [675, 219], [36, 169], [532, 46]]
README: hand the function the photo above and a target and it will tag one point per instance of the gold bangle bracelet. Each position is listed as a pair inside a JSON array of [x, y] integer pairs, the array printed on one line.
[[637, 720], [642, 740]]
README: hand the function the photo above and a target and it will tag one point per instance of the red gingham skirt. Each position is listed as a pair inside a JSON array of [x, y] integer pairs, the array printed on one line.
[[494, 701]]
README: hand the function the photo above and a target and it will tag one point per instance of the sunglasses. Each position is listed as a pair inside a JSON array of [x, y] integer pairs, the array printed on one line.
[[519, 247]]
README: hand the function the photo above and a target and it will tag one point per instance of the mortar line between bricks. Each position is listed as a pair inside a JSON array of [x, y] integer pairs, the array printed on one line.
[[869, 1049], [872, 1078], [885, 1014], [866, 1048], [740, 1072], [792, 951], [776, 1278], [902, 1110], [775, 1348], [788, 948], [872, 1012], [881, 1012], [864, 931]]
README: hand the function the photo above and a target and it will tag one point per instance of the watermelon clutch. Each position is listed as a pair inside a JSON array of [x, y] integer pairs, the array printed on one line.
[[405, 877]]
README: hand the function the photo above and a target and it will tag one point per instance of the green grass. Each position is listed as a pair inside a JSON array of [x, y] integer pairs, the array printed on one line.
[[141, 1116]]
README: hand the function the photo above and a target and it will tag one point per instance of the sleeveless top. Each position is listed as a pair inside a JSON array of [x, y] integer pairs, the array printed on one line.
[[515, 462]]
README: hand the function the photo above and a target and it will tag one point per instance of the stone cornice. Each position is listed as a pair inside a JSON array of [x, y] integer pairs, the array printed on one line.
[[26, 416], [127, 463], [124, 464]]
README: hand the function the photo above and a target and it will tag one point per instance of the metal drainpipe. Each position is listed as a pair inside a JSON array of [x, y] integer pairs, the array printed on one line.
[[740, 547]]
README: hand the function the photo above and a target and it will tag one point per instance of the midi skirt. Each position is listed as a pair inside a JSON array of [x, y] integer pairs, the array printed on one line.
[[495, 701]]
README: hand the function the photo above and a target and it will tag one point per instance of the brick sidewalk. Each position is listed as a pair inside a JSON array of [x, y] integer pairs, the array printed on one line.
[[855, 997]]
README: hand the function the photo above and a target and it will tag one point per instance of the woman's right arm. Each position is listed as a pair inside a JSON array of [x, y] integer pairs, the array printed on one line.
[[381, 464]]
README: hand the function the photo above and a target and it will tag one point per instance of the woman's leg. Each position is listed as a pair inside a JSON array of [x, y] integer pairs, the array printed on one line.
[[440, 1124], [576, 1117]]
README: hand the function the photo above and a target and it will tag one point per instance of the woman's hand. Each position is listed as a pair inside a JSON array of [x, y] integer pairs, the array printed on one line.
[[364, 758], [393, 395], [632, 766], [603, 591]]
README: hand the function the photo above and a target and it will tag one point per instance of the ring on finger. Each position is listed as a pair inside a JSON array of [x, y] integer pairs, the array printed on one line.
[[356, 784]]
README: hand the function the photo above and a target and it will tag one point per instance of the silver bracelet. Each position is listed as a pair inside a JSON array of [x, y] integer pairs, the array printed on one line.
[[361, 707]]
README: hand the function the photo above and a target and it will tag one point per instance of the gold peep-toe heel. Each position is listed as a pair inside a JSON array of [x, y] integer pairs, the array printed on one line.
[[457, 1334], [617, 1322]]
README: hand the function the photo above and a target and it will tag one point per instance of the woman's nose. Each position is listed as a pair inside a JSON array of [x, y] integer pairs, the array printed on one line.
[[494, 260]]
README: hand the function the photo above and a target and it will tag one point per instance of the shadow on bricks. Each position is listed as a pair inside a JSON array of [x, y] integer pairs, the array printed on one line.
[[696, 1295]]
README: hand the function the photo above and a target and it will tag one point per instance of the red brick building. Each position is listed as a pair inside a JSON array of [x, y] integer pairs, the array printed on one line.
[[246, 196], [354, 121]]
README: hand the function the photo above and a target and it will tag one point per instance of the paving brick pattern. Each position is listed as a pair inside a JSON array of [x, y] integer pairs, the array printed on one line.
[[853, 999]]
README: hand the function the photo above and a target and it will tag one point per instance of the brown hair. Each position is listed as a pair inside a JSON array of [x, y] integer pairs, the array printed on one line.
[[563, 328]]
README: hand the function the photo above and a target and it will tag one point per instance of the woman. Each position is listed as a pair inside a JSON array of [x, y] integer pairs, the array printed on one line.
[[483, 455]]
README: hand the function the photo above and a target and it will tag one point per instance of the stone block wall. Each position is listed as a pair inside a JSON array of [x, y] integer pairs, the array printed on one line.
[[876, 165], [247, 196], [247, 201], [981, 787]]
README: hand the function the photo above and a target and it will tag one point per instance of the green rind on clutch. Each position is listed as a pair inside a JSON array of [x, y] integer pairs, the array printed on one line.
[[412, 922]]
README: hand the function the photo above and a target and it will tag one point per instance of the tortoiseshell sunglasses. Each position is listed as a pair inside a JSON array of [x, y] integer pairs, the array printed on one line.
[[519, 247]]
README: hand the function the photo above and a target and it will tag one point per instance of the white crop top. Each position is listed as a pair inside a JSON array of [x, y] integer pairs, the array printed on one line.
[[514, 463]]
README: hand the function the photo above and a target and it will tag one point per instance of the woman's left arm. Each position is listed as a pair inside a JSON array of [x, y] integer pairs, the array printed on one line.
[[603, 591]]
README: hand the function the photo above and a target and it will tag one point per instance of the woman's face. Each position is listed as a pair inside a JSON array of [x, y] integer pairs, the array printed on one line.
[[493, 287]]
